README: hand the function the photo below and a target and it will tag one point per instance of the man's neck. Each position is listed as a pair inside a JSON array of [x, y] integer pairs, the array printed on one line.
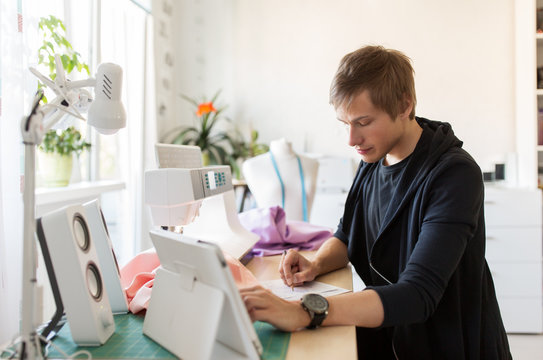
[[406, 145]]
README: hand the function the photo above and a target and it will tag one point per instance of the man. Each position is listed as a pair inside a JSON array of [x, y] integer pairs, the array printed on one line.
[[413, 228]]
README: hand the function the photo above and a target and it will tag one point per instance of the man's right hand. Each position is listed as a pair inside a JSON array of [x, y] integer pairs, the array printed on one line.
[[295, 269]]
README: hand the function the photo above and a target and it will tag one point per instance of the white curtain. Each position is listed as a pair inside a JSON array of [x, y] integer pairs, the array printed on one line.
[[125, 41], [16, 42]]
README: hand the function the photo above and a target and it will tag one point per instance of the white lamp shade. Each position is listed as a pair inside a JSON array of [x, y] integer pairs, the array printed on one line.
[[106, 113]]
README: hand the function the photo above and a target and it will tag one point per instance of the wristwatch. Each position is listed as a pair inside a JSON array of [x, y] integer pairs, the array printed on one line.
[[317, 308]]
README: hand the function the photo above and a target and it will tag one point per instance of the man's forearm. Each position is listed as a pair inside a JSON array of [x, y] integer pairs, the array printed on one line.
[[361, 308], [332, 255]]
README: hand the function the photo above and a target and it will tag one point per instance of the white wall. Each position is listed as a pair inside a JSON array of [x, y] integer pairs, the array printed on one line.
[[202, 60], [285, 53]]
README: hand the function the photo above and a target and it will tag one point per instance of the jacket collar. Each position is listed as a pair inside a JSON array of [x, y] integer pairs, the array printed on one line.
[[436, 139]]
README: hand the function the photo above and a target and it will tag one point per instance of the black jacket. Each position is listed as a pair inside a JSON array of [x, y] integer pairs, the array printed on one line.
[[427, 263]]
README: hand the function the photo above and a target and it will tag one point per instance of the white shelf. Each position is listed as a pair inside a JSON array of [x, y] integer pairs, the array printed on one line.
[[47, 198], [539, 92]]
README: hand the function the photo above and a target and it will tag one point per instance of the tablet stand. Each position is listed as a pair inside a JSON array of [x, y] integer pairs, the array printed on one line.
[[195, 309]]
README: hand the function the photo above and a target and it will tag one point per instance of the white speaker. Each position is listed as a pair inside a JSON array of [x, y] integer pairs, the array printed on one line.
[[107, 258], [76, 268]]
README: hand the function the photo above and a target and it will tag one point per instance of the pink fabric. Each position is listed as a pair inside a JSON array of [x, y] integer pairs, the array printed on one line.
[[276, 234], [138, 275], [137, 279], [242, 276]]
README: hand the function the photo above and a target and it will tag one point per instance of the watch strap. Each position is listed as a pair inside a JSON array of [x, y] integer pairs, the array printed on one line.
[[316, 319]]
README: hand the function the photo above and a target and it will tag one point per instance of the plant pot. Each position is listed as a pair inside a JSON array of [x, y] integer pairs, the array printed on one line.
[[55, 169], [205, 158]]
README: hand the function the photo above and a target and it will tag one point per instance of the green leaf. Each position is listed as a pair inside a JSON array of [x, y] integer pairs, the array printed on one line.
[[70, 67], [66, 43], [56, 38], [65, 61], [64, 142], [192, 101], [184, 135], [214, 98]]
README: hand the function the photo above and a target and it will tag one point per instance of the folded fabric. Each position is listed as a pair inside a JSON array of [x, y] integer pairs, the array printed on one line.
[[137, 278], [276, 234]]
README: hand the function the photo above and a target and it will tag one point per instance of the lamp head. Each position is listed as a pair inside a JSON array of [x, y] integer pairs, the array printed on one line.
[[106, 113]]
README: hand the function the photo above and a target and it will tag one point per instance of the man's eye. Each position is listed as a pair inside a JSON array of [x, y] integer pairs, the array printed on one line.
[[355, 125], [365, 122]]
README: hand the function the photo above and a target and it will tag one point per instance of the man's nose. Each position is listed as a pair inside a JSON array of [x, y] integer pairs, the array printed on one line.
[[355, 138]]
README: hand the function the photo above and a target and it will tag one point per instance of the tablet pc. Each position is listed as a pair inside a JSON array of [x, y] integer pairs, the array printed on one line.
[[196, 304]]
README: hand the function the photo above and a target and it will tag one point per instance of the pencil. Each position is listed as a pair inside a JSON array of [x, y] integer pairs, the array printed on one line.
[[282, 261]]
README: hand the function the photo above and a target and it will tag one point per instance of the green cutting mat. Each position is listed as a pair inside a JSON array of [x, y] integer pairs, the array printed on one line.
[[128, 342]]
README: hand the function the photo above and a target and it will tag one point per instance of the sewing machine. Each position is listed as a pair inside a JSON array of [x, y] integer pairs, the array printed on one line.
[[195, 309], [200, 200]]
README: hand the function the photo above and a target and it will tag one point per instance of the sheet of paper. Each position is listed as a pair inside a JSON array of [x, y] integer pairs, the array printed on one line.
[[283, 291]]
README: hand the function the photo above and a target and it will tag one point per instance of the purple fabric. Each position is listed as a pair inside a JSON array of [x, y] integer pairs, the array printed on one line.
[[277, 235]]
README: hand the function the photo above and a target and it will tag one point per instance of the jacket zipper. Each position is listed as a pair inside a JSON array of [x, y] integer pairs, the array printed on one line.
[[378, 273], [393, 347]]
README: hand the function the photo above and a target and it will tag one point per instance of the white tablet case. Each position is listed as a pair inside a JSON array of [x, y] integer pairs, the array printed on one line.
[[195, 309]]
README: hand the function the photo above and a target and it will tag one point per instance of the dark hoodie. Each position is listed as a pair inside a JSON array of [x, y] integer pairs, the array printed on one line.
[[427, 263]]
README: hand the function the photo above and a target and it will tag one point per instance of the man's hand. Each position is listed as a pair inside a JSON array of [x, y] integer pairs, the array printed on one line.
[[295, 269], [263, 305]]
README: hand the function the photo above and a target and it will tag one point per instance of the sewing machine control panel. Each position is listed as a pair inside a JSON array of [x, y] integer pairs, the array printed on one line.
[[216, 179]]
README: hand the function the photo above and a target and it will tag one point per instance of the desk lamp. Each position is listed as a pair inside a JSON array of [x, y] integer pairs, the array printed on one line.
[[106, 113], [199, 199]]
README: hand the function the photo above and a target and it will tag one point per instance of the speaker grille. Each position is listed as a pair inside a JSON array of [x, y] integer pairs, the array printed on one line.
[[94, 281], [81, 232]]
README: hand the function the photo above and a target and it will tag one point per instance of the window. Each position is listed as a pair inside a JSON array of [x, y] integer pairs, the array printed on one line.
[[114, 31]]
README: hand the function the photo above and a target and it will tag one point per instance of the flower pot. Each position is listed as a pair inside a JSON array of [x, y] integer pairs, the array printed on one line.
[[55, 169], [205, 158]]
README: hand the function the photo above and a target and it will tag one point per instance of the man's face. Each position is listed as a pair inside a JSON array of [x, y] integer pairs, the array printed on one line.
[[372, 132]]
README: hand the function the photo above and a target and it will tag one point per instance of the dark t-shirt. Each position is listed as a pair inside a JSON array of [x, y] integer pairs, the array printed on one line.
[[379, 191]]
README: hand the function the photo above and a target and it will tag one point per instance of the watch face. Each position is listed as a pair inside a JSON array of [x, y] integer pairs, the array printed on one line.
[[315, 302]]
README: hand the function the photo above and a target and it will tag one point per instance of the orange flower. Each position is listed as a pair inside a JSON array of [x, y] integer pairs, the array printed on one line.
[[205, 108]]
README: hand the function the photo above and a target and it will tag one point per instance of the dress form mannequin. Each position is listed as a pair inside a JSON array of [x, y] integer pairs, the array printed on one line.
[[265, 184]]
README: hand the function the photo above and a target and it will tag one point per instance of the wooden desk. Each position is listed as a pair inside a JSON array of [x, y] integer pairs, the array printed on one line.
[[332, 342], [335, 342]]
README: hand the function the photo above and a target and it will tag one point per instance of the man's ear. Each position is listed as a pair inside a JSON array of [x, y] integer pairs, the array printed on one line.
[[407, 106]]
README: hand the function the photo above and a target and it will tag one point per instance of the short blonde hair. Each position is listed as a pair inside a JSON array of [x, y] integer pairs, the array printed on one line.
[[387, 75]]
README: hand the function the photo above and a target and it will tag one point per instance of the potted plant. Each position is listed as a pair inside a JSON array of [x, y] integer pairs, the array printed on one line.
[[213, 143], [58, 147], [52, 33], [243, 150], [55, 157]]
